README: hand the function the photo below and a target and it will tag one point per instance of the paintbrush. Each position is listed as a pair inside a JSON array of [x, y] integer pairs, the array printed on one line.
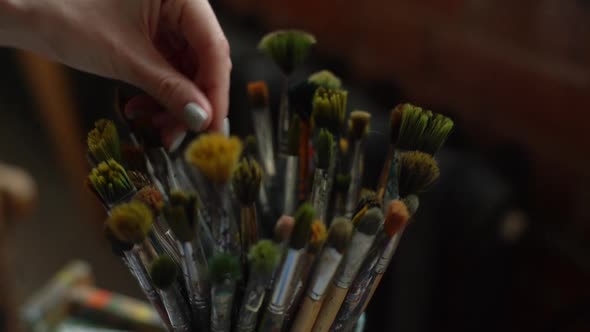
[[292, 163], [263, 258], [361, 242], [111, 184], [163, 272], [246, 184], [367, 201], [259, 106], [215, 157], [320, 193], [396, 217], [139, 179], [290, 271], [341, 184], [181, 212], [283, 229], [263, 201], [288, 49], [224, 271], [359, 126], [417, 172], [328, 262], [326, 79], [103, 142]]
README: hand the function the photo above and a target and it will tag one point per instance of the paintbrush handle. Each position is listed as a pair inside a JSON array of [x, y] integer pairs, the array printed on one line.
[[354, 188], [320, 193], [330, 308], [176, 308], [374, 287], [196, 286], [222, 296], [307, 315], [290, 185], [284, 119], [252, 302], [264, 139]]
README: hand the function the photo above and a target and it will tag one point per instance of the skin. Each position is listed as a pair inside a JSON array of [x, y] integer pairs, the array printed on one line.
[[151, 44]]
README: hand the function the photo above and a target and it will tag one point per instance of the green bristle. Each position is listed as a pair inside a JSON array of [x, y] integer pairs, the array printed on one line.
[[224, 266], [163, 272], [181, 213], [302, 229], [264, 257], [294, 136], [371, 222], [246, 181], [329, 109], [301, 99], [103, 141], [131, 222], [412, 203], [339, 234], [417, 171], [341, 183], [414, 122], [369, 200], [359, 124], [324, 148], [326, 79], [110, 181], [287, 48], [436, 133]]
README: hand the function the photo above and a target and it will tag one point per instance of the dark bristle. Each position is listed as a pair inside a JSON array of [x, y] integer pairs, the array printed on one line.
[[294, 136], [417, 171], [258, 94], [339, 234], [371, 222], [301, 99], [412, 203], [396, 217], [359, 124], [264, 257], [302, 229], [246, 181], [181, 213], [324, 149], [163, 272], [224, 266], [368, 200]]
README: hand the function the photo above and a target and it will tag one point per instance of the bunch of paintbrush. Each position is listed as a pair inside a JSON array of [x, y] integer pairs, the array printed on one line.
[[187, 223]]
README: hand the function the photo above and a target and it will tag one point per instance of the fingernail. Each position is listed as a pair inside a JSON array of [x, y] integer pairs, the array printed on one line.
[[195, 116], [177, 141], [225, 128]]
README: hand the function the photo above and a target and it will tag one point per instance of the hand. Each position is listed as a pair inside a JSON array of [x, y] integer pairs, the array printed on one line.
[[174, 50]]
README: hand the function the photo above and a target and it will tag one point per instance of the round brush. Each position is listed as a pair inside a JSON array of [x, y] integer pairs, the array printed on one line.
[[224, 272]]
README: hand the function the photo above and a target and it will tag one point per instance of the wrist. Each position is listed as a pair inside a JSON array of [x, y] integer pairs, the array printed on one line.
[[18, 23]]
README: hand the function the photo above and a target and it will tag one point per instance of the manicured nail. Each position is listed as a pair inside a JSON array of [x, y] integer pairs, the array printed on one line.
[[195, 116], [177, 141], [225, 128]]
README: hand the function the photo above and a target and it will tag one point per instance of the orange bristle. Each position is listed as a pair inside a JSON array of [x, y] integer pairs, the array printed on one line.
[[396, 217]]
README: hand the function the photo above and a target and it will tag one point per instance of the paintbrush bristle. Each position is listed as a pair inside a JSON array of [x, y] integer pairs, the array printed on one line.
[[246, 181], [339, 234], [396, 217], [422, 130], [103, 141], [326, 79], [318, 235], [436, 133], [224, 266], [329, 109], [293, 138], [359, 124], [301, 230], [417, 171], [324, 148], [341, 183], [151, 197], [412, 203], [131, 222], [287, 48], [301, 99], [139, 179], [284, 228], [163, 272], [110, 182], [258, 94], [368, 200], [370, 222], [181, 213], [215, 156], [264, 257]]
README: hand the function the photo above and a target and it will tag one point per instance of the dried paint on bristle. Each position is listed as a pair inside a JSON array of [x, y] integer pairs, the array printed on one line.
[[368, 200], [258, 94], [396, 217], [224, 266], [151, 197], [215, 156], [103, 141], [324, 148], [139, 179], [395, 121], [134, 157], [339, 234], [302, 229], [163, 272], [301, 98], [131, 222], [118, 247], [284, 228], [287, 48], [370, 222], [341, 183], [318, 234], [264, 257], [250, 147], [246, 181], [181, 213], [326, 79], [412, 203], [110, 181], [436, 133], [329, 109], [417, 171], [359, 124], [293, 138]]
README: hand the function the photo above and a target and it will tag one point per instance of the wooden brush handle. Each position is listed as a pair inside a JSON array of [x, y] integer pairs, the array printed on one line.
[[332, 303], [307, 315]]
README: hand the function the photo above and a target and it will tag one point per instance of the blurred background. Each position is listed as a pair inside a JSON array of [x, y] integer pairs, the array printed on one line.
[[501, 243]]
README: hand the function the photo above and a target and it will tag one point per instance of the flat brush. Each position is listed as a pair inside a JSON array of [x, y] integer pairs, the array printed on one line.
[[103, 142], [320, 193], [361, 242], [224, 271], [110, 183], [263, 259], [292, 163], [163, 272], [259, 106], [417, 171], [396, 218], [181, 212], [359, 126], [289, 272], [328, 262]]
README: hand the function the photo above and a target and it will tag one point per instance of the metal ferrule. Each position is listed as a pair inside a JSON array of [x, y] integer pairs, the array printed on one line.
[[286, 281], [320, 193], [252, 302], [222, 296], [325, 270], [355, 255], [290, 186], [354, 188]]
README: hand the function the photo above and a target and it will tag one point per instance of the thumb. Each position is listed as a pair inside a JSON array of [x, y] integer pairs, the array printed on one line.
[[173, 90]]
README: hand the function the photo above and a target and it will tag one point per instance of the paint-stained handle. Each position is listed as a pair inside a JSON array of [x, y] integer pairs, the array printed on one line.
[[332, 303], [378, 278], [307, 315]]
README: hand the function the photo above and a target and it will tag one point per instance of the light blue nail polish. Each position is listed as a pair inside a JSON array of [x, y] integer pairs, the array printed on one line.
[[226, 127], [195, 116]]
